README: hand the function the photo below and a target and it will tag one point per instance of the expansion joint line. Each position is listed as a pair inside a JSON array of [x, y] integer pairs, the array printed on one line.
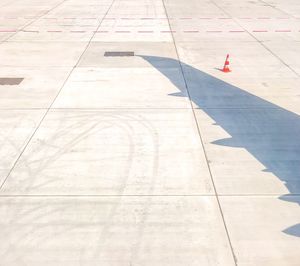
[[201, 140], [48, 109], [34, 20]]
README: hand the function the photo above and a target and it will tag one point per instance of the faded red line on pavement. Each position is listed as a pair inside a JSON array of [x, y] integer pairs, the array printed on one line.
[[8, 30], [259, 31]]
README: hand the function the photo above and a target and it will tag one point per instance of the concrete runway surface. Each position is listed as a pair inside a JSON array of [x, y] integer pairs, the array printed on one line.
[[156, 159]]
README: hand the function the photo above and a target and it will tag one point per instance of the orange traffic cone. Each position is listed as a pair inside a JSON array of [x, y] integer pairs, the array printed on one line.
[[226, 65]]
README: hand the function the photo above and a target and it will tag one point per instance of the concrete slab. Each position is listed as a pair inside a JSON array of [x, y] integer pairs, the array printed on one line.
[[40, 84], [135, 152], [264, 230], [155, 159], [94, 55], [16, 129], [100, 88], [33, 54], [137, 230], [286, 52]]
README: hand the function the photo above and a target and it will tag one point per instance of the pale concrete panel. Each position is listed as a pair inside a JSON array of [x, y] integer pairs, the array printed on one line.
[[27, 54], [144, 152], [263, 230], [288, 52], [37, 90], [141, 88], [94, 55], [16, 128], [113, 231], [80, 11]]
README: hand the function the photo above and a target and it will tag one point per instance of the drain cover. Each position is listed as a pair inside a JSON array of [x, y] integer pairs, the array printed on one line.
[[119, 54], [10, 81]]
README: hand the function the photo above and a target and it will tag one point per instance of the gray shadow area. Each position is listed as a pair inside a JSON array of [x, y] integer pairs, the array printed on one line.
[[267, 131], [10, 81], [293, 230]]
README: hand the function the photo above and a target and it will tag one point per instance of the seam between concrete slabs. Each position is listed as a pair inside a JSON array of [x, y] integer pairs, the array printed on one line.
[[49, 108], [32, 21], [201, 140]]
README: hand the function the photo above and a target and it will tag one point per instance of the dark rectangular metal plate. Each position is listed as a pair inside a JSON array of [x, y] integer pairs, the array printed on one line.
[[119, 54], [10, 81]]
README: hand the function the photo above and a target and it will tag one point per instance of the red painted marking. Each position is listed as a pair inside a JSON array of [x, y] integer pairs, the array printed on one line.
[[216, 31], [8, 30], [54, 31], [167, 31], [259, 31], [122, 31], [145, 31]]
